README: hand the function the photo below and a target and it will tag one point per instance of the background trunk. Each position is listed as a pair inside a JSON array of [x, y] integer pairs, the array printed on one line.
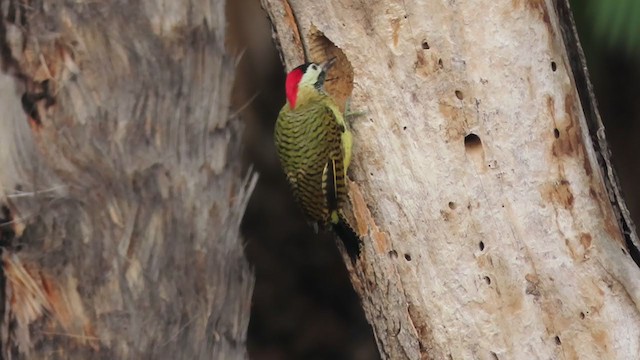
[[494, 227], [121, 184]]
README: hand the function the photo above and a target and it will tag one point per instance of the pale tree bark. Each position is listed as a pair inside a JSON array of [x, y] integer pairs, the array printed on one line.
[[121, 185], [492, 222]]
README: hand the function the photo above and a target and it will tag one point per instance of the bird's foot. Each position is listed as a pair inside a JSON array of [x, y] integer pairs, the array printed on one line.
[[349, 114]]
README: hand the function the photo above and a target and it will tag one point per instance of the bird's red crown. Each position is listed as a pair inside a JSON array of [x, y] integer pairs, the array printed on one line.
[[291, 84]]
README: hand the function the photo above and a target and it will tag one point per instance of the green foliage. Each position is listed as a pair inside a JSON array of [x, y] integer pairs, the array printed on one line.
[[615, 23]]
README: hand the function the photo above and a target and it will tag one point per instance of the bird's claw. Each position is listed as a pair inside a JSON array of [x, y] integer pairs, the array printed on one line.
[[348, 114]]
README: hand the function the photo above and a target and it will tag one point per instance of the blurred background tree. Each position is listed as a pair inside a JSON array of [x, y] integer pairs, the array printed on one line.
[[616, 23], [303, 304]]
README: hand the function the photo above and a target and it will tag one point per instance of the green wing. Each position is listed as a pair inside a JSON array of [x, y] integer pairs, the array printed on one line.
[[309, 144]]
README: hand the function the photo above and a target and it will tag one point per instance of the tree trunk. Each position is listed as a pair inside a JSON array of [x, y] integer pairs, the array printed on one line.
[[492, 220], [121, 184]]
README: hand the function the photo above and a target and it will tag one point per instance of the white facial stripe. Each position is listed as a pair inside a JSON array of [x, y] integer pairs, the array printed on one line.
[[310, 77]]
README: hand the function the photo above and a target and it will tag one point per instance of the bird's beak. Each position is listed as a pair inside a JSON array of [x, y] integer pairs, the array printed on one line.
[[325, 66]]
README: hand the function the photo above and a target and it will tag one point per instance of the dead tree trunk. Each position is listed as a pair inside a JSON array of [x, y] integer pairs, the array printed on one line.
[[493, 224], [120, 182]]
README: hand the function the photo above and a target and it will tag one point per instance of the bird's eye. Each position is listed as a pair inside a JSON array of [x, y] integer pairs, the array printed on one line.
[[314, 67]]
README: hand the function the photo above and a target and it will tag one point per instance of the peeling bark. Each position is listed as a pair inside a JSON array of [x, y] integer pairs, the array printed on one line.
[[121, 184], [493, 223]]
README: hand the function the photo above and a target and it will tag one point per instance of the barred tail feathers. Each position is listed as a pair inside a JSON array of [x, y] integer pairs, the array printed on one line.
[[347, 235]]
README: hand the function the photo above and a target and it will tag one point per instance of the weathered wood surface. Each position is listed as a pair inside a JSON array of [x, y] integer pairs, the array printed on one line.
[[121, 180], [492, 230]]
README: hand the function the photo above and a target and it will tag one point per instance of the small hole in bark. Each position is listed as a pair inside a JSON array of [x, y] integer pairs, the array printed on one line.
[[581, 315], [558, 342], [29, 107], [487, 280], [481, 245], [494, 355], [407, 257], [425, 45], [459, 95], [556, 133], [393, 254], [472, 142], [554, 67], [452, 205], [440, 64], [404, 128]]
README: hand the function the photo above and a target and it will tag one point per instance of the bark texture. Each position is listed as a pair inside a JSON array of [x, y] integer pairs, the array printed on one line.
[[121, 183], [493, 224]]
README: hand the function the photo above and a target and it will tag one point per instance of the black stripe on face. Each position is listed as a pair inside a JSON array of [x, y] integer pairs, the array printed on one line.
[[320, 82]]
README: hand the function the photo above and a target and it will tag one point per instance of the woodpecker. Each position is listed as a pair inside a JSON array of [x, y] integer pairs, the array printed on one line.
[[314, 142]]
